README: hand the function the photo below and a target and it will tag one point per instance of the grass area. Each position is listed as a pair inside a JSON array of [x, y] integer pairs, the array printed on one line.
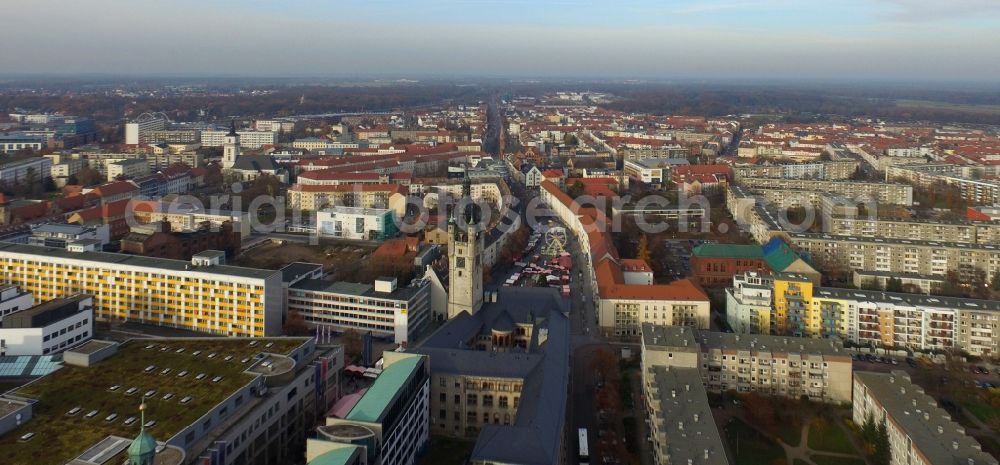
[[830, 438], [963, 107], [831, 460], [749, 446], [983, 411], [446, 451], [790, 433], [61, 437], [273, 256]]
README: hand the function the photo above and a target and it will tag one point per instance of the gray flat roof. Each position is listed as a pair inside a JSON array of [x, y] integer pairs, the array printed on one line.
[[687, 418], [928, 426], [682, 338], [163, 264], [357, 289], [899, 298], [879, 240]]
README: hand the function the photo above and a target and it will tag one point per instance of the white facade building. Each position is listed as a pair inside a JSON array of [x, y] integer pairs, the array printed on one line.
[[137, 132], [48, 328], [356, 223], [400, 313], [248, 139], [13, 299]]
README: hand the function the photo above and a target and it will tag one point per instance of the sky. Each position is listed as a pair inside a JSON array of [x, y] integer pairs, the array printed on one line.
[[919, 40]]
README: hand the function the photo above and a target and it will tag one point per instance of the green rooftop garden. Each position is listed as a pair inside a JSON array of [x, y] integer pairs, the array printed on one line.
[[60, 437]]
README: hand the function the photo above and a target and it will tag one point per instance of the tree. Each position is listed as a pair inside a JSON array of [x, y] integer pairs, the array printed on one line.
[[603, 363], [88, 176], [995, 282], [894, 284], [760, 411], [883, 453], [295, 325], [643, 252], [352, 344], [575, 190]]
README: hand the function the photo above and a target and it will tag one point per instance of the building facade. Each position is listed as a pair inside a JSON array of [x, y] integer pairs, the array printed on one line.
[[48, 328], [218, 299], [400, 314]]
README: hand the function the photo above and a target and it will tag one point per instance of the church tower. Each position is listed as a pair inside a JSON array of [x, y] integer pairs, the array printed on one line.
[[142, 451], [230, 148], [465, 257]]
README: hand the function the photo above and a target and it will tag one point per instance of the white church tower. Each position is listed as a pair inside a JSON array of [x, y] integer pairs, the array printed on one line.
[[465, 258], [230, 148]]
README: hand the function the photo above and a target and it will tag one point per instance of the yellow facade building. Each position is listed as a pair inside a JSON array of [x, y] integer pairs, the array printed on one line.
[[202, 295]]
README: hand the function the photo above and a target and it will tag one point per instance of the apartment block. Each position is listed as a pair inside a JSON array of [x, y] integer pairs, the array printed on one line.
[[824, 170], [973, 232], [248, 139], [318, 197], [902, 256], [681, 425], [900, 194], [920, 432], [785, 304], [771, 365], [200, 295]]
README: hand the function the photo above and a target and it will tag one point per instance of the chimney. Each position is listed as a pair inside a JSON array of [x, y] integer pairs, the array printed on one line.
[[706, 454], [673, 393], [680, 426], [696, 418]]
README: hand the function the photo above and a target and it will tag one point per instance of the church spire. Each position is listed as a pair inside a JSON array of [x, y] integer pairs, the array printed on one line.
[[143, 447]]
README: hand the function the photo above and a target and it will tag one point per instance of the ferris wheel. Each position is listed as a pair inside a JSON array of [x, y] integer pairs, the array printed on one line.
[[554, 242]]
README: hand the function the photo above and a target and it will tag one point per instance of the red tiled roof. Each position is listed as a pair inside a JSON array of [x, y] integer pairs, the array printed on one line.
[[390, 188]]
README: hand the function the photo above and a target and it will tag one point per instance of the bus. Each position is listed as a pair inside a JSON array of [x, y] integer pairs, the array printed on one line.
[[584, 455]]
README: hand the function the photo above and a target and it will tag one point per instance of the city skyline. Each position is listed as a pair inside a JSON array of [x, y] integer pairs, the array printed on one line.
[[910, 40]]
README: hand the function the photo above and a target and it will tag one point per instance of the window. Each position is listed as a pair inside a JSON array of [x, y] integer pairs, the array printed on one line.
[[458, 400], [442, 414]]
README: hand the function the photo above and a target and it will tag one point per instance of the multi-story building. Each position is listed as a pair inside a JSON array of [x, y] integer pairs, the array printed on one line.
[[902, 256], [771, 365], [826, 170], [969, 180], [212, 401], [34, 169], [387, 425], [465, 262], [200, 295], [920, 432], [13, 299], [48, 328], [622, 308], [187, 217], [138, 131], [973, 232], [500, 376], [716, 264], [652, 171], [248, 139], [401, 314], [900, 194], [61, 235], [681, 426], [128, 168], [318, 197], [10, 143], [369, 224], [916, 322]]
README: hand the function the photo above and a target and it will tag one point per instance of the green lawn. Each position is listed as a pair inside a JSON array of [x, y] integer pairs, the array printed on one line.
[[61, 437], [749, 446], [790, 433], [981, 410], [832, 438], [830, 460], [446, 451]]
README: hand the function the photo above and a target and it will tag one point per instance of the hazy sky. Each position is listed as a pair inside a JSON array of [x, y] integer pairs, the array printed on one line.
[[725, 39]]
